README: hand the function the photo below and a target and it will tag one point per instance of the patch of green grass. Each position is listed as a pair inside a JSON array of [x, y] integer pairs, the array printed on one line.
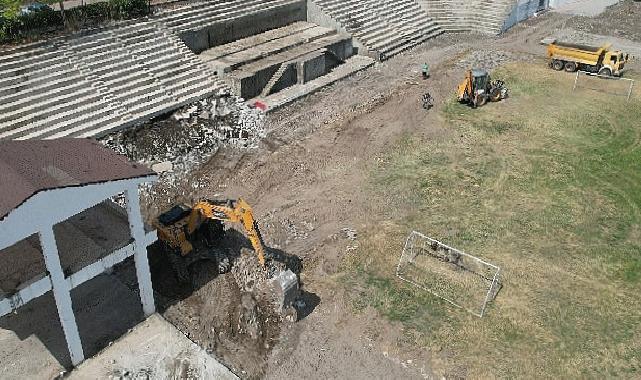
[[548, 186]]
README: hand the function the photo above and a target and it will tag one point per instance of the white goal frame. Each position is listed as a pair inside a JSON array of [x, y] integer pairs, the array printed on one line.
[[408, 255], [605, 77]]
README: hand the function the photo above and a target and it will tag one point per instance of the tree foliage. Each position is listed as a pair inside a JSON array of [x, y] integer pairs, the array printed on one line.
[[16, 26]]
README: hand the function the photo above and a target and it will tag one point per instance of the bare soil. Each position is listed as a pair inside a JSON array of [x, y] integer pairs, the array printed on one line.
[[620, 20]]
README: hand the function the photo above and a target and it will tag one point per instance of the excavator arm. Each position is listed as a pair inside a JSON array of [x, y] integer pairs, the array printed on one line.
[[237, 211]]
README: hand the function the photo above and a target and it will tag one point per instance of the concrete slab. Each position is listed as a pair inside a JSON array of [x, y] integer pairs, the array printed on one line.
[[275, 46], [154, 349], [245, 43]]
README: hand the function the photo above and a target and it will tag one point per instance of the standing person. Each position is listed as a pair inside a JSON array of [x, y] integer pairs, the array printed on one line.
[[426, 70]]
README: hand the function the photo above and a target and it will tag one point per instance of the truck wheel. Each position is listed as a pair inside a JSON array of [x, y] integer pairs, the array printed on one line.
[[570, 67], [605, 72], [557, 65]]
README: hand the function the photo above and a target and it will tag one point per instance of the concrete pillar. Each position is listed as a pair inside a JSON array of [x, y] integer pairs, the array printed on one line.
[[62, 294], [137, 229]]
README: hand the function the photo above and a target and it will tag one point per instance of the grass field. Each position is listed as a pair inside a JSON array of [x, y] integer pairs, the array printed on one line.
[[546, 185]]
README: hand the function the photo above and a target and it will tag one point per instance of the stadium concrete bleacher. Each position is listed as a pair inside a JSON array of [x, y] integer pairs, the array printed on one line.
[[98, 81], [93, 84], [206, 24], [381, 28], [485, 16]]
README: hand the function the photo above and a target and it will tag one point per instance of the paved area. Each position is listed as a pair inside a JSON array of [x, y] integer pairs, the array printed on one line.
[[154, 349], [588, 8]]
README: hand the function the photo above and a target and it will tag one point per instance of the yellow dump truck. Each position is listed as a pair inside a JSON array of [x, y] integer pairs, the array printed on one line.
[[573, 57]]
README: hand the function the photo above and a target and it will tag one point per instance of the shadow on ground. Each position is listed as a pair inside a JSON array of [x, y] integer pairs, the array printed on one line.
[[105, 309]]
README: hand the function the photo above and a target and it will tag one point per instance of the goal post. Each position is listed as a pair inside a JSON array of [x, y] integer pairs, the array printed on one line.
[[611, 85], [461, 279]]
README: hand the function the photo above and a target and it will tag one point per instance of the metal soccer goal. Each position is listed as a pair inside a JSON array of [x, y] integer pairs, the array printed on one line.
[[461, 279], [610, 85]]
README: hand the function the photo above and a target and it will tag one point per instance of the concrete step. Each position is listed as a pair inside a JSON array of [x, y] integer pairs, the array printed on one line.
[[254, 53], [45, 112], [55, 121], [383, 26], [221, 51], [487, 16]]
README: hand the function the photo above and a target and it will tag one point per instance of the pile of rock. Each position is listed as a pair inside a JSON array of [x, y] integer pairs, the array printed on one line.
[[491, 59], [191, 135], [275, 284], [177, 144]]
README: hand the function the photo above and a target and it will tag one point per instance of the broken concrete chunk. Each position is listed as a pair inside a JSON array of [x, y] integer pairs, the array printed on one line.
[[162, 167], [285, 289]]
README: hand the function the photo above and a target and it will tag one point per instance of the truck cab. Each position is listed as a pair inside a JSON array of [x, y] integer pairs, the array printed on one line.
[[615, 61]]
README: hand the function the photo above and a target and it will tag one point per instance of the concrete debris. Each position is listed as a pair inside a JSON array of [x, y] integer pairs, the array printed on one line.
[[123, 374], [274, 283], [175, 146], [162, 167], [285, 290], [249, 274], [293, 230], [350, 233]]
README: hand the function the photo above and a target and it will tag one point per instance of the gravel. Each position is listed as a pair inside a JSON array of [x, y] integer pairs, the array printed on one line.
[[491, 59]]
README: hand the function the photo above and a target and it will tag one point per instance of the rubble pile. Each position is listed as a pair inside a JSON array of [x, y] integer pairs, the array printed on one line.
[[180, 143], [249, 274], [491, 59], [191, 135]]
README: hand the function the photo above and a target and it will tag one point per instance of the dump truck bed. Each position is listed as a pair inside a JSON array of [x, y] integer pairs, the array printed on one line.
[[585, 54], [587, 48]]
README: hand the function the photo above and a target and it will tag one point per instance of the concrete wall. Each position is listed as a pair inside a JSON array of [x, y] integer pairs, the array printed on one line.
[[314, 67], [523, 10], [316, 15], [245, 26]]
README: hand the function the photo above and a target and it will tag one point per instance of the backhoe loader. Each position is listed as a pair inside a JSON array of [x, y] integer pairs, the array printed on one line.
[[477, 89], [192, 233]]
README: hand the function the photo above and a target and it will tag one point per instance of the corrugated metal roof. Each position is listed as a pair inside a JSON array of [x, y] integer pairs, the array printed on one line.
[[28, 167]]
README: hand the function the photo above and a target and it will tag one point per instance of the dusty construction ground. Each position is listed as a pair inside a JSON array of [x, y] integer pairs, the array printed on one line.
[[510, 182]]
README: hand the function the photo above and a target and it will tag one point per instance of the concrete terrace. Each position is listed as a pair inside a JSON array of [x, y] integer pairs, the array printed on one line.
[[381, 29], [486, 16], [281, 58], [92, 84]]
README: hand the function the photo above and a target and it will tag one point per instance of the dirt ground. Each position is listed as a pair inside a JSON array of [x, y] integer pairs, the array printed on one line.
[[620, 20], [306, 182]]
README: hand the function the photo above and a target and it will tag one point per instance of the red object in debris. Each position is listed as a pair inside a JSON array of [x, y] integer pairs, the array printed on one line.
[[260, 105]]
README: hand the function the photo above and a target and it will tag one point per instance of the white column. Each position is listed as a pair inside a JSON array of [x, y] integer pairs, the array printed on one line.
[[137, 229], [62, 294]]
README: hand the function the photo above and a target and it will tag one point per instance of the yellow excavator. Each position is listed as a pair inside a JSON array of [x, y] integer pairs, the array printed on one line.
[[191, 233], [478, 88]]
